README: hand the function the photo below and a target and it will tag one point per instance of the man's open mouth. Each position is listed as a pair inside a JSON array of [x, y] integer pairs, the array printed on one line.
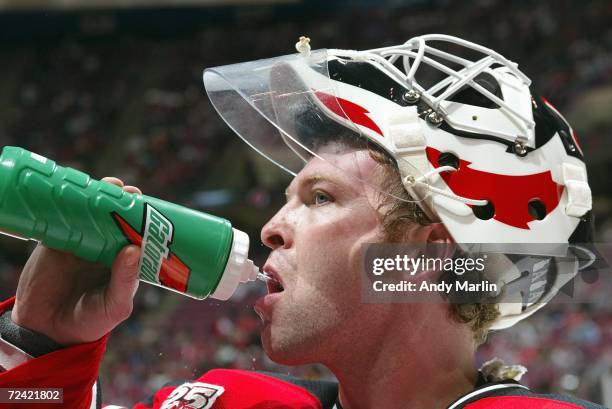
[[273, 283], [274, 286]]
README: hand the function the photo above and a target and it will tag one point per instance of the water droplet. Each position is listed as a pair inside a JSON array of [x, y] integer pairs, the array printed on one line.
[[263, 276]]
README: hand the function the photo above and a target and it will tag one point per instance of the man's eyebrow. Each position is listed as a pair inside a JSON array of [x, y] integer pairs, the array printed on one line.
[[311, 180]]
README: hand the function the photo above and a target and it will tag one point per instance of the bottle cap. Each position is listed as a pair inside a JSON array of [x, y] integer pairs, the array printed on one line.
[[239, 269]]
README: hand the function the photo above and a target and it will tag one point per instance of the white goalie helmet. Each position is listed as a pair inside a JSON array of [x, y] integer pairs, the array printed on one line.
[[477, 149]]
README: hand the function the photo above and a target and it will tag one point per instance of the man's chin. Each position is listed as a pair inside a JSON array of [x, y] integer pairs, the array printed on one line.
[[283, 351]]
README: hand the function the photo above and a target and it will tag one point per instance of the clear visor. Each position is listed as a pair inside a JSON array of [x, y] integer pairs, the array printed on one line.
[[287, 109]]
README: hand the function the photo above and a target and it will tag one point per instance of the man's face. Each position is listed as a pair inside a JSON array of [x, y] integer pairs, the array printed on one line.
[[316, 240]]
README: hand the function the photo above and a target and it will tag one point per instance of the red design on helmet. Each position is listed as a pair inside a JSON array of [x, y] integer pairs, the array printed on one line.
[[348, 110], [509, 195]]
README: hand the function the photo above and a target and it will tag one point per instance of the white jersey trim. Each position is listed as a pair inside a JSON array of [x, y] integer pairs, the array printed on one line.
[[485, 390], [11, 356]]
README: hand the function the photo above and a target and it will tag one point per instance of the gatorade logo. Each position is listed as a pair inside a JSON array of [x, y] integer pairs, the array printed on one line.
[[157, 235], [158, 264]]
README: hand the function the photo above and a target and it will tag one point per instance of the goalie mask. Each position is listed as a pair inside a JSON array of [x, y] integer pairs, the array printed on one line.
[[476, 148]]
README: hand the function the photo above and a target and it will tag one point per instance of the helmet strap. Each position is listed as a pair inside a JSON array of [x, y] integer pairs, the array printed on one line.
[[407, 142]]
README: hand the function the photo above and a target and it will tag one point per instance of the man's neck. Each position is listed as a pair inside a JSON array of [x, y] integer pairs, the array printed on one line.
[[407, 372]]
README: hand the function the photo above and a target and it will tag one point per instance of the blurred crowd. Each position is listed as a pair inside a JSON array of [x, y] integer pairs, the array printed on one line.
[[133, 106]]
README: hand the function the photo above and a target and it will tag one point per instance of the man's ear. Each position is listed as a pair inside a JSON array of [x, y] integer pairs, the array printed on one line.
[[442, 243], [430, 233], [439, 234]]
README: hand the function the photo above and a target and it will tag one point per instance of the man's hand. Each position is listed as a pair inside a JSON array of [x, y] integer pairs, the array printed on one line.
[[74, 301]]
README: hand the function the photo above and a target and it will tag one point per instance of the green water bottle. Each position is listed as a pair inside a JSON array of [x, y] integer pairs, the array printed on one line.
[[183, 250]]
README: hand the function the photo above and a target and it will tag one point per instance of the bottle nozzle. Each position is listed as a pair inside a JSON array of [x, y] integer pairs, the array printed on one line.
[[239, 269]]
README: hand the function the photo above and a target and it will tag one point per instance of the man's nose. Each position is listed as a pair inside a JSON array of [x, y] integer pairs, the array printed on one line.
[[277, 233]]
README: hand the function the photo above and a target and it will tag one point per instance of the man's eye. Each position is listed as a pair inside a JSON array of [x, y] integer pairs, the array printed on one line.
[[321, 198]]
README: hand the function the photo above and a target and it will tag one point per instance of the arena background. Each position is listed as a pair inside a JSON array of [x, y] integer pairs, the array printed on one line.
[[114, 88]]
